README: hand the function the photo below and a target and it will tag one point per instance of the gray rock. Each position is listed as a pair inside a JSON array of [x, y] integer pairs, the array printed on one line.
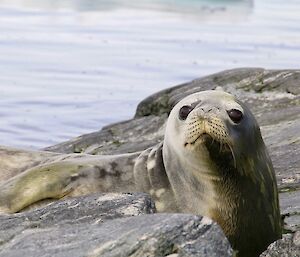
[[124, 137], [290, 208], [92, 226], [288, 246], [73, 211]]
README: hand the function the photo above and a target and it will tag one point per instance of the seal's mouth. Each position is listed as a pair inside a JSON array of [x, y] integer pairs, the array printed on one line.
[[220, 153], [199, 139], [213, 144], [208, 140], [217, 149]]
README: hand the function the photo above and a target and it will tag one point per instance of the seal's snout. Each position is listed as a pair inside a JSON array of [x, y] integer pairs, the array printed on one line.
[[203, 124], [205, 112]]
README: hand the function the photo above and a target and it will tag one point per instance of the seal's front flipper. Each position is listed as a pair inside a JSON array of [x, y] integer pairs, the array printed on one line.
[[50, 181], [150, 176]]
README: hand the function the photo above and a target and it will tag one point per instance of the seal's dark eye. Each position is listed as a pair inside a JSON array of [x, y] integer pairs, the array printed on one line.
[[184, 111], [235, 115]]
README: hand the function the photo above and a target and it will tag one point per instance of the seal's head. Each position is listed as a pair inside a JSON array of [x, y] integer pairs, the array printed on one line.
[[219, 167], [213, 119]]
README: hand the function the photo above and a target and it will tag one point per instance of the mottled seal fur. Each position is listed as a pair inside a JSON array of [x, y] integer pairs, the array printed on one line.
[[212, 162]]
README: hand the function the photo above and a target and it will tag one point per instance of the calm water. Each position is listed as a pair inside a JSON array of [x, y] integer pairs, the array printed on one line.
[[71, 67]]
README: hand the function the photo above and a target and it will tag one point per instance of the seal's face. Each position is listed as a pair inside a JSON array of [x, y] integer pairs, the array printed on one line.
[[213, 119], [218, 166]]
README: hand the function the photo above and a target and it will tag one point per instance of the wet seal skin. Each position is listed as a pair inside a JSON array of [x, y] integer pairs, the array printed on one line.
[[212, 162]]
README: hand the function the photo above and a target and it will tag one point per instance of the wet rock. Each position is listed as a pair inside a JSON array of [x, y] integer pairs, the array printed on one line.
[[109, 225]]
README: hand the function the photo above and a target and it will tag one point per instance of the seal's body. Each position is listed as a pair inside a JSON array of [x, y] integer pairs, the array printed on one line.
[[216, 164], [212, 162]]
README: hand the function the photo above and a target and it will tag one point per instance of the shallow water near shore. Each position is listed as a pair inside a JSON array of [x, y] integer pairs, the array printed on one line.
[[72, 67]]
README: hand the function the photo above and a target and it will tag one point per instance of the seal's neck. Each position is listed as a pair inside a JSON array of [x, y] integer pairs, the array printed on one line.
[[190, 180], [240, 196], [247, 203]]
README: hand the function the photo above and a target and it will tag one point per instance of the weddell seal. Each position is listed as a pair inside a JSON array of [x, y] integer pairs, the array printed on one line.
[[212, 162], [217, 165]]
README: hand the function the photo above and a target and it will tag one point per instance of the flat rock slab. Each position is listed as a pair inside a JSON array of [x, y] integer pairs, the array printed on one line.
[[109, 225], [73, 211]]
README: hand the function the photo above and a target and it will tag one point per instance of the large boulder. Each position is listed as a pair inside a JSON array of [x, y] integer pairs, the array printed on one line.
[[109, 225]]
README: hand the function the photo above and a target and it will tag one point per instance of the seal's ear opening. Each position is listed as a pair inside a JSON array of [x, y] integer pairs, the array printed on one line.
[[220, 89]]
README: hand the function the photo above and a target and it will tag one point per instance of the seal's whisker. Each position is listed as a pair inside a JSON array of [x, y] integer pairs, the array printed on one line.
[[221, 145], [233, 156], [213, 141]]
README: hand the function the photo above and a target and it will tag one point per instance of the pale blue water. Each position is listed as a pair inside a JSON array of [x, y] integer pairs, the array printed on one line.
[[71, 67]]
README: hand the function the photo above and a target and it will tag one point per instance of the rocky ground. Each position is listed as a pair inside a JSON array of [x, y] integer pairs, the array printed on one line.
[[109, 225], [114, 224]]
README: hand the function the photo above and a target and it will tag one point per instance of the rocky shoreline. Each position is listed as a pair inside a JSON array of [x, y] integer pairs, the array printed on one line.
[[115, 224]]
